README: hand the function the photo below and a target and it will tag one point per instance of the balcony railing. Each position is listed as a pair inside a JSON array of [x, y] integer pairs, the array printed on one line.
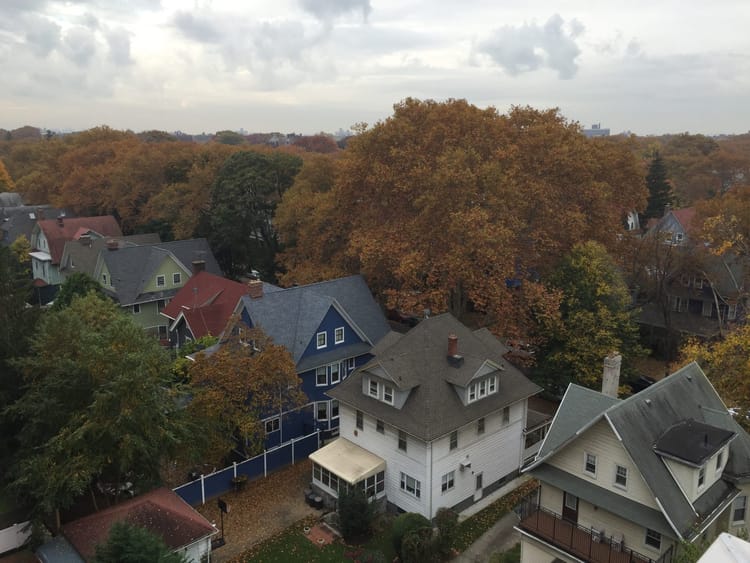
[[583, 543]]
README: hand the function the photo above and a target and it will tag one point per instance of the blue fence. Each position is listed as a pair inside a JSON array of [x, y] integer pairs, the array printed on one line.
[[222, 481]]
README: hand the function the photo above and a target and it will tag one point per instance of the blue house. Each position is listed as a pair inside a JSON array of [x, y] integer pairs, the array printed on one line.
[[329, 329]]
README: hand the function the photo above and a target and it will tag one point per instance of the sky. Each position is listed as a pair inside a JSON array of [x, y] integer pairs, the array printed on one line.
[[304, 66]]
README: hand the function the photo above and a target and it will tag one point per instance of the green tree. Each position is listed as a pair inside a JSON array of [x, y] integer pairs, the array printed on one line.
[[75, 285], [596, 318], [96, 404], [128, 543], [355, 513], [247, 190], [659, 189], [403, 525]]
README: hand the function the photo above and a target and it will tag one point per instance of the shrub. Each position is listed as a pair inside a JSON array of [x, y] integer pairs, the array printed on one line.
[[446, 521], [419, 546], [355, 513], [405, 523]]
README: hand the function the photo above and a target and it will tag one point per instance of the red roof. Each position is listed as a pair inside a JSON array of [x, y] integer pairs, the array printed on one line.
[[206, 302], [161, 512], [685, 217], [61, 230]]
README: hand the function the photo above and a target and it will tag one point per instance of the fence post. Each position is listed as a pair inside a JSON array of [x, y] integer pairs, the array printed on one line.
[[265, 464], [203, 491], [234, 467]]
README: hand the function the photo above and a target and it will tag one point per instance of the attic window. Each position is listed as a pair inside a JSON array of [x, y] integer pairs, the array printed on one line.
[[176, 278], [321, 340], [161, 281], [338, 335], [482, 388]]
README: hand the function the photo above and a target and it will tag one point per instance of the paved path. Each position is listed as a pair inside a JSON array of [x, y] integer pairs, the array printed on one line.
[[501, 537]]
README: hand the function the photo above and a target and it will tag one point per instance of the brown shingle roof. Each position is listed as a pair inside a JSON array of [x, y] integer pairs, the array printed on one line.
[[59, 231]]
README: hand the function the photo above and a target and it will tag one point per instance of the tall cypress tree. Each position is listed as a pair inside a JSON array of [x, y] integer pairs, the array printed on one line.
[[659, 189]]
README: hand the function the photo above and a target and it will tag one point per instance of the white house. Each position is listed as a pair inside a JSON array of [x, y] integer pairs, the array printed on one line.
[[436, 419], [627, 480]]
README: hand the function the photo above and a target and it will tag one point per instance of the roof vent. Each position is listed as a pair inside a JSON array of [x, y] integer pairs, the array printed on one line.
[[648, 402]]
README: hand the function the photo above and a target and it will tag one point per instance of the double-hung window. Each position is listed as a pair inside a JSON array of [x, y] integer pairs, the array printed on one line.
[[448, 481], [161, 281], [621, 476], [176, 278], [653, 539], [338, 335], [374, 388], [321, 376], [402, 440], [335, 373], [321, 340], [411, 485], [589, 465], [454, 440], [701, 476], [388, 394], [739, 509]]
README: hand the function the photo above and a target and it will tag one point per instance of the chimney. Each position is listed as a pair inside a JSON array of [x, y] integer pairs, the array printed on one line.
[[112, 244], [611, 375], [59, 220], [255, 289], [454, 358], [199, 266], [39, 213]]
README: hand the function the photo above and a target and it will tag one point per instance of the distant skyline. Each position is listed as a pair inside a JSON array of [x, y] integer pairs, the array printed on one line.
[[320, 65]]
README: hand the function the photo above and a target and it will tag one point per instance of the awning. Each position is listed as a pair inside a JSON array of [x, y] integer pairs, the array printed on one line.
[[347, 460], [39, 255]]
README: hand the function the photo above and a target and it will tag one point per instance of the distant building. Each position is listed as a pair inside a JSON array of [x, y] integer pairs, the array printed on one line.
[[596, 131]]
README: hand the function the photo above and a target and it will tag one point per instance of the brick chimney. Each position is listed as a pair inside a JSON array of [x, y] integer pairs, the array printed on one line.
[[112, 244], [453, 356], [611, 375], [60, 220], [255, 289], [199, 266]]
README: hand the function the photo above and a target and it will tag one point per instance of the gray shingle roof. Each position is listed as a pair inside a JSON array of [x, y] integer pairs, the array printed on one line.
[[20, 220], [641, 420], [83, 253], [131, 268], [418, 361], [292, 316]]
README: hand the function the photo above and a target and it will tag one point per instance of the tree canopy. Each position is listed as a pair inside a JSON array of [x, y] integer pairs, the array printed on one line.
[[443, 203], [659, 189], [75, 285], [128, 543]]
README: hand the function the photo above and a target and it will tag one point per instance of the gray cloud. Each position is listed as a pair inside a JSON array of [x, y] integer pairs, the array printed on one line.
[[118, 41], [42, 34], [198, 28], [328, 10], [79, 45], [530, 47]]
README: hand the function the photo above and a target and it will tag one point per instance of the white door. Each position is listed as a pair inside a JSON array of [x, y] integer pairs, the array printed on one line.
[[478, 485]]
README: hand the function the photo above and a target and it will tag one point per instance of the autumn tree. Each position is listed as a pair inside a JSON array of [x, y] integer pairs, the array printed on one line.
[[97, 403], [248, 187], [727, 364], [596, 318], [659, 190], [6, 182], [245, 380], [726, 222], [440, 205]]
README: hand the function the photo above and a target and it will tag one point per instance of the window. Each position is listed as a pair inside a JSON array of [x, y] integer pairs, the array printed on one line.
[[491, 384], [136, 308], [374, 388], [506, 415], [448, 481], [161, 281], [410, 485], [335, 373], [653, 539], [480, 426], [334, 408], [160, 304], [322, 475], [732, 312], [739, 508], [472, 392], [698, 283], [621, 476], [402, 440], [272, 425], [360, 420], [320, 340], [701, 476], [719, 461], [176, 278], [350, 363], [454, 440], [373, 484], [482, 388], [380, 426], [321, 376], [338, 335], [678, 237], [321, 411], [590, 464], [388, 394], [163, 332], [104, 279]]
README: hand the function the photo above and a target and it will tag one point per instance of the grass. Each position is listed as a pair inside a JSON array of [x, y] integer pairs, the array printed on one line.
[[292, 545], [513, 555]]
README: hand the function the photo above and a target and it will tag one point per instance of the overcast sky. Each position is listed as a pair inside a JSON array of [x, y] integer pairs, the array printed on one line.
[[648, 66]]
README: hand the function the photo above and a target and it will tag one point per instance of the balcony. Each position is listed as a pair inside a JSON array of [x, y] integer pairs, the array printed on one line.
[[583, 543]]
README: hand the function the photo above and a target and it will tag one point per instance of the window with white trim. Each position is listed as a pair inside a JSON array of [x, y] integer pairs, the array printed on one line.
[[701, 476], [739, 509], [380, 426], [589, 464], [350, 364], [335, 373], [454, 440], [334, 409], [388, 394], [321, 410], [176, 278], [411, 485], [448, 481], [272, 425], [161, 281], [338, 335], [653, 539], [374, 389], [482, 388], [402, 440], [321, 376], [136, 308], [104, 279], [732, 312], [320, 340], [621, 476]]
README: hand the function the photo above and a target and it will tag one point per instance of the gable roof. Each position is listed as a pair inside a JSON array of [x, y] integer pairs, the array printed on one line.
[[132, 268], [161, 512], [292, 316], [417, 361], [641, 420], [206, 302], [59, 231], [21, 220], [81, 255], [685, 218]]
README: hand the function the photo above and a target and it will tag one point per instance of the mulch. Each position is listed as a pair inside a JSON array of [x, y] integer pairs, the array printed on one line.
[[264, 508]]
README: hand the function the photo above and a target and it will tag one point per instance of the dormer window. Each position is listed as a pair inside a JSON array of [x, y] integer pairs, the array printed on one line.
[[104, 279], [374, 388], [482, 388], [338, 335], [320, 340], [701, 476], [388, 394]]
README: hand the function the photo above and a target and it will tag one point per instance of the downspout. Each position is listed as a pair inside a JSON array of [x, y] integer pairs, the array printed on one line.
[[429, 481]]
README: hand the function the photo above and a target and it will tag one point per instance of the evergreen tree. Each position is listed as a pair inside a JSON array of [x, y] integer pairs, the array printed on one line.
[[130, 544], [659, 189]]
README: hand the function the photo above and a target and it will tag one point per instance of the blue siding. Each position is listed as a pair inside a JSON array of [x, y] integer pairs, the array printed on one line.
[[330, 323]]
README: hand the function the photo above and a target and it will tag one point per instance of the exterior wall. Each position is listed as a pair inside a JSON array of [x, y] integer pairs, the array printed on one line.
[[495, 453], [733, 526], [167, 268], [414, 462], [104, 271], [329, 324], [590, 516], [600, 441], [149, 317], [195, 552], [687, 476]]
